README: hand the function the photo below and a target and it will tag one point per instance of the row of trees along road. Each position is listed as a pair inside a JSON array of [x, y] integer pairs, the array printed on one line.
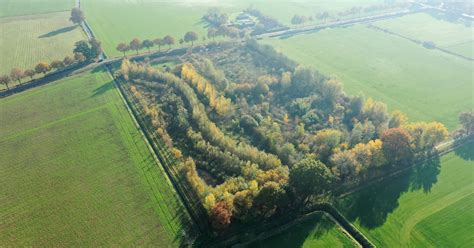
[[84, 51], [136, 44]]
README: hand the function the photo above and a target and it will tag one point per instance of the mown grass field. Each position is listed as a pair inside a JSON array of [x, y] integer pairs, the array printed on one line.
[[432, 27], [76, 171], [30, 7], [425, 84], [317, 231], [27, 40], [431, 206]]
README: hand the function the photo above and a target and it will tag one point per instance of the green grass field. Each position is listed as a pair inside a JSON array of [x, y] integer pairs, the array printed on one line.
[[431, 206], [425, 84], [27, 40], [317, 231], [426, 27], [76, 172], [122, 20], [30, 7], [464, 48]]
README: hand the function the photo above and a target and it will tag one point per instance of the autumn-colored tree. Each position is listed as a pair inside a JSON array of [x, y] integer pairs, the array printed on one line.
[[467, 122], [17, 74], [397, 119], [220, 216], [325, 141], [309, 177], [30, 73], [159, 42], [96, 48], [5, 80], [57, 64], [270, 197], [376, 112], [345, 165], [136, 45], [122, 47], [79, 57], [42, 67], [425, 136], [191, 36], [396, 146], [212, 33], [168, 40], [77, 16], [148, 44], [68, 61]]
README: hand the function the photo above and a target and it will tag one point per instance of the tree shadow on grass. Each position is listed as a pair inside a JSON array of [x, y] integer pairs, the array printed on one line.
[[103, 88], [58, 31], [466, 151], [313, 228], [372, 205], [425, 175]]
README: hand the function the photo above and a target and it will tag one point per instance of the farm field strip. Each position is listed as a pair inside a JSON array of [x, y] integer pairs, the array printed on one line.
[[388, 68], [31, 7], [89, 172], [28, 40]]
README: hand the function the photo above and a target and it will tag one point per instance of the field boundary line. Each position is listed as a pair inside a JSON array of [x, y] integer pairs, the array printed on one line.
[[43, 13], [419, 42], [49, 124]]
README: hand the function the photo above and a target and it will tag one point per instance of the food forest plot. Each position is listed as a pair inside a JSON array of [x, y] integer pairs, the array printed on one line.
[[401, 73], [394, 212], [430, 27], [317, 231], [30, 7], [27, 40], [90, 179]]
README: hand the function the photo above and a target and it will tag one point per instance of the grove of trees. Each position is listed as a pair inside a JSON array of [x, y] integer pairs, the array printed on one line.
[[255, 135]]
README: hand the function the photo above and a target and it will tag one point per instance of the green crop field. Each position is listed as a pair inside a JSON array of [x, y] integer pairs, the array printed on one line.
[[30, 7], [426, 27], [432, 205], [425, 84], [27, 40], [76, 172], [317, 231]]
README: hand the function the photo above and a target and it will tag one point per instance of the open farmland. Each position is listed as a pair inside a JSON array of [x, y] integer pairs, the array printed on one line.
[[316, 231], [30, 7], [121, 21], [425, 84], [76, 172], [454, 36], [27, 40], [428, 206]]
